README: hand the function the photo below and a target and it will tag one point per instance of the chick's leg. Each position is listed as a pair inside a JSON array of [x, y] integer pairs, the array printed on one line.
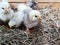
[[27, 32]]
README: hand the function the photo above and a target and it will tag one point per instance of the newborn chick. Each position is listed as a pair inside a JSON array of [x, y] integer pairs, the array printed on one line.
[[16, 20], [32, 3], [32, 19], [24, 8], [6, 13]]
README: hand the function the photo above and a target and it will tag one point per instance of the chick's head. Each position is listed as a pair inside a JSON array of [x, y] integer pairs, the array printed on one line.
[[34, 15], [4, 7]]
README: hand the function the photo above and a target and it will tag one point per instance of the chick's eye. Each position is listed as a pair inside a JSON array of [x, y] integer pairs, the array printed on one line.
[[2, 8], [35, 15]]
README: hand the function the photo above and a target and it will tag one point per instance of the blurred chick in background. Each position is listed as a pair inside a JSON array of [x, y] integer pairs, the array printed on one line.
[[13, 6], [32, 3], [24, 8]]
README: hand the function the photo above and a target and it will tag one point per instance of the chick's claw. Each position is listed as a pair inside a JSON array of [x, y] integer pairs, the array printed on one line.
[[27, 32]]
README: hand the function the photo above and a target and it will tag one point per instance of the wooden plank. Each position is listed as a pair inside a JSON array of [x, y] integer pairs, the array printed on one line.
[[17, 0], [48, 0], [54, 5], [41, 5], [37, 0]]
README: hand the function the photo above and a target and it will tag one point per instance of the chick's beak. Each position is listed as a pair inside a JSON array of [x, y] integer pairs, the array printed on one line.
[[40, 17], [7, 10]]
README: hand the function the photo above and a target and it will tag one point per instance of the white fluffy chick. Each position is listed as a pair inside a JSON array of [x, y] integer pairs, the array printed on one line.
[[32, 19], [32, 3], [16, 20], [6, 12], [24, 8]]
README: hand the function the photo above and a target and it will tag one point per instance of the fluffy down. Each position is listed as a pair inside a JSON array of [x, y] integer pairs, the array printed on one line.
[[6, 13], [32, 19], [32, 3], [16, 20], [24, 8]]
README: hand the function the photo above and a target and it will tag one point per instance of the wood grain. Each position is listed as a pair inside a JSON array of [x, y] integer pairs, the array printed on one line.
[[42, 3], [37, 0]]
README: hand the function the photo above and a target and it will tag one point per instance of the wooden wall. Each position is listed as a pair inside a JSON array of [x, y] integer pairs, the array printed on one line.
[[42, 3], [37, 0]]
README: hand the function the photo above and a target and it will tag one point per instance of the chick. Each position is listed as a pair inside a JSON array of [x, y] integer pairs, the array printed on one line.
[[32, 20], [16, 20], [32, 3], [6, 13], [24, 8], [13, 6]]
